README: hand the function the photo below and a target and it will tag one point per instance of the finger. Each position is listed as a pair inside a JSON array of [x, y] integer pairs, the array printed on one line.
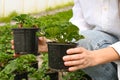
[[74, 68], [75, 50], [73, 57], [13, 47], [12, 41], [84, 64], [42, 40], [74, 63]]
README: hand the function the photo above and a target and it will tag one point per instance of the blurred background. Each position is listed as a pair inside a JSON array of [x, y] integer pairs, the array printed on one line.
[[30, 6]]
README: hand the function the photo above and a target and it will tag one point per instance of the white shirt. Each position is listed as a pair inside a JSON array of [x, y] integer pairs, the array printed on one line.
[[101, 13]]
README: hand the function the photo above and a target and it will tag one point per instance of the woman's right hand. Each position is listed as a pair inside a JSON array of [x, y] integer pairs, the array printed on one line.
[[15, 55]]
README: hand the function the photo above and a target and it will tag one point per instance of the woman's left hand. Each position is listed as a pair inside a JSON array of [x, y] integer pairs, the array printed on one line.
[[78, 58]]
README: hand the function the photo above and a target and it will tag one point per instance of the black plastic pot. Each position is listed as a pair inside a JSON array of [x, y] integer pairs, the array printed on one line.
[[21, 76], [25, 40], [56, 51]]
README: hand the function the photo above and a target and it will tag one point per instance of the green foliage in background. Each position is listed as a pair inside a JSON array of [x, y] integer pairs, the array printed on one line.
[[19, 65], [8, 18], [5, 38]]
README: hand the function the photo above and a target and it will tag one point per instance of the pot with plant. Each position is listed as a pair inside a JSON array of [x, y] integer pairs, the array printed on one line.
[[63, 36], [25, 38]]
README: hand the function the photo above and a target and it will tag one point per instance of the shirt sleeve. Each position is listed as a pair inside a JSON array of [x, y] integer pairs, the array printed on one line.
[[116, 46], [78, 18]]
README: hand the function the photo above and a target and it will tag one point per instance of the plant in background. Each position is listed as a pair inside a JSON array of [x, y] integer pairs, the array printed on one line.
[[4, 59], [40, 74], [8, 18], [20, 65], [5, 38]]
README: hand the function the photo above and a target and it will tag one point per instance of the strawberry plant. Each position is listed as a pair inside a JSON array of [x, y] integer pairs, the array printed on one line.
[[63, 32], [20, 65], [4, 59], [26, 21]]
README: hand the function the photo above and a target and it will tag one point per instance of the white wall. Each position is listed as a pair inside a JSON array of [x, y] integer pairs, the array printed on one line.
[[28, 6]]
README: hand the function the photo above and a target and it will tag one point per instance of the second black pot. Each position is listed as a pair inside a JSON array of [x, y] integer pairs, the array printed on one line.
[[56, 51]]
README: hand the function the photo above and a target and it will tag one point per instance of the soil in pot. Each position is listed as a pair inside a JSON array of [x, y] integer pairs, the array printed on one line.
[[25, 40], [56, 51]]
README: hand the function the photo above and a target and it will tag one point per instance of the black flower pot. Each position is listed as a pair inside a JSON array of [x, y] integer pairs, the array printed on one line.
[[56, 51], [25, 40], [21, 76]]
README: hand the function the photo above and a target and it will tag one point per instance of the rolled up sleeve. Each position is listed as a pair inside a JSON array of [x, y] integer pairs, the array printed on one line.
[[116, 46]]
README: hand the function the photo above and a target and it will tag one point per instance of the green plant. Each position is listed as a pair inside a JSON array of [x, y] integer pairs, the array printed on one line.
[[62, 31], [19, 65], [40, 73], [8, 18], [26, 20], [4, 59], [5, 38], [76, 75]]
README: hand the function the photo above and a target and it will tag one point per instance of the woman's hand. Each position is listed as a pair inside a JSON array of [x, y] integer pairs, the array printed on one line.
[[78, 58], [12, 42], [15, 55]]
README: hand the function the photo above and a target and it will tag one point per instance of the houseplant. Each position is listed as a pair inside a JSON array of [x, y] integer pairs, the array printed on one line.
[[25, 38], [63, 35]]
